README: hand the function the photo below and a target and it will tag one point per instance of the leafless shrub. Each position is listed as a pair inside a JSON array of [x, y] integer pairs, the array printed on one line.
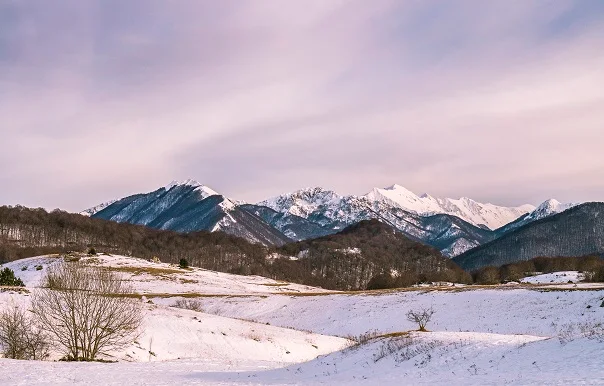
[[189, 304], [20, 338], [392, 346], [421, 317], [572, 331], [364, 338], [83, 312]]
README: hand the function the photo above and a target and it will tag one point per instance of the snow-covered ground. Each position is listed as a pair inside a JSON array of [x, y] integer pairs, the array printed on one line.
[[503, 335], [162, 278], [555, 277]]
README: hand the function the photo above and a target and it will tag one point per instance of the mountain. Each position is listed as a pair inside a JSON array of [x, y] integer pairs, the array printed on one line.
[[479, 214], [452, 226], [578, 231], [367, 252], [546, 209], [330, 213], [90, 211], [189, 206]]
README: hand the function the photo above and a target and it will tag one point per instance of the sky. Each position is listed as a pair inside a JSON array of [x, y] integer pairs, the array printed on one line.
[[501, 101]]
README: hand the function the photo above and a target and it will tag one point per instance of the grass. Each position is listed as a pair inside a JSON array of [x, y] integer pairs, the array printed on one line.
[[148, 270]]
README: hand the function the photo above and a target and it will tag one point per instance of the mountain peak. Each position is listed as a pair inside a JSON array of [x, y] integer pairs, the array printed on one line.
[[204, 190]]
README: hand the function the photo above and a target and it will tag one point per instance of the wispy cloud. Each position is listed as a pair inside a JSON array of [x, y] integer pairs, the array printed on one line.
[[500, 100]]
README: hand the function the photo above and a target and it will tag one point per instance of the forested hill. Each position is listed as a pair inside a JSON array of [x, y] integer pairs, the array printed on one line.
[[28, 232], [371, 250], [578, 231]]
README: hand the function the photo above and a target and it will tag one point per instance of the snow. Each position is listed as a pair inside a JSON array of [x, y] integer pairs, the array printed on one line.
[[254, 331], [476, 213], [159, 278], [555, 277], [95, 209]]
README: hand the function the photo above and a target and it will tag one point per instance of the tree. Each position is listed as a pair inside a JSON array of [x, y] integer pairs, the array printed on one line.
[[20, 338], [8, 278], [83, 309], [183, 263], [421, 317]]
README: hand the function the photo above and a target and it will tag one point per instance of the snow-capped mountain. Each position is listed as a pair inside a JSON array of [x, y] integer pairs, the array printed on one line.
[[332, 213], [546, 209], [479, 214], [452, 226], [189, 206]]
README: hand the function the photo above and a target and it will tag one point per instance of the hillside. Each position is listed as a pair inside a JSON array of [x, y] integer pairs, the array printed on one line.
[[367, 252], [578, 231]]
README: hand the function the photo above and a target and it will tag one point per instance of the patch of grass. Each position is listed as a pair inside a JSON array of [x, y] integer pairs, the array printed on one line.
[[148, 270]]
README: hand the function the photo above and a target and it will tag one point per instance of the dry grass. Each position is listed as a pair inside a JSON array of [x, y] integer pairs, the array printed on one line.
[[148, 270]]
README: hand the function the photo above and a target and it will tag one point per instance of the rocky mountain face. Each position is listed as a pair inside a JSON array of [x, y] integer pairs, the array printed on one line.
[[187, 207], [578, 231]]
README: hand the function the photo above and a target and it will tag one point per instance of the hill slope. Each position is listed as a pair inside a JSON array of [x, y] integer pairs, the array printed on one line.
[[370, 252], [577, 231]]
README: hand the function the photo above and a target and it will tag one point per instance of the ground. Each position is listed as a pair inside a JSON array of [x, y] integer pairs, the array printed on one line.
[[258, 331]]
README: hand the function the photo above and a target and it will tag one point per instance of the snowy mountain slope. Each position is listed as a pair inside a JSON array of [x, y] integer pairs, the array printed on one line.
[[91, 211], [546, 209], [332, 212], [187, 207], [476, 213]]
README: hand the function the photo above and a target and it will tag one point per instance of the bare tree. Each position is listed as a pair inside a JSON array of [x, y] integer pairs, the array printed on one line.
[[84, 310], [20, 338], [421, 317]]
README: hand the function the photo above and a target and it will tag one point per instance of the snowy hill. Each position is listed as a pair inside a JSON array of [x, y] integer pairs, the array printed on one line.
[[257, 331], [476, 213]]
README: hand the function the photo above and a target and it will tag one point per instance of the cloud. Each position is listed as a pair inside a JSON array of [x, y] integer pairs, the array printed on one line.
[[498, 101]]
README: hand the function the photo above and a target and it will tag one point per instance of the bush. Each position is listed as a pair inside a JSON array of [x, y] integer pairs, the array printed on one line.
[[183, 263], [39, 267], [8, 278], [20, 338], [189, 304]]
